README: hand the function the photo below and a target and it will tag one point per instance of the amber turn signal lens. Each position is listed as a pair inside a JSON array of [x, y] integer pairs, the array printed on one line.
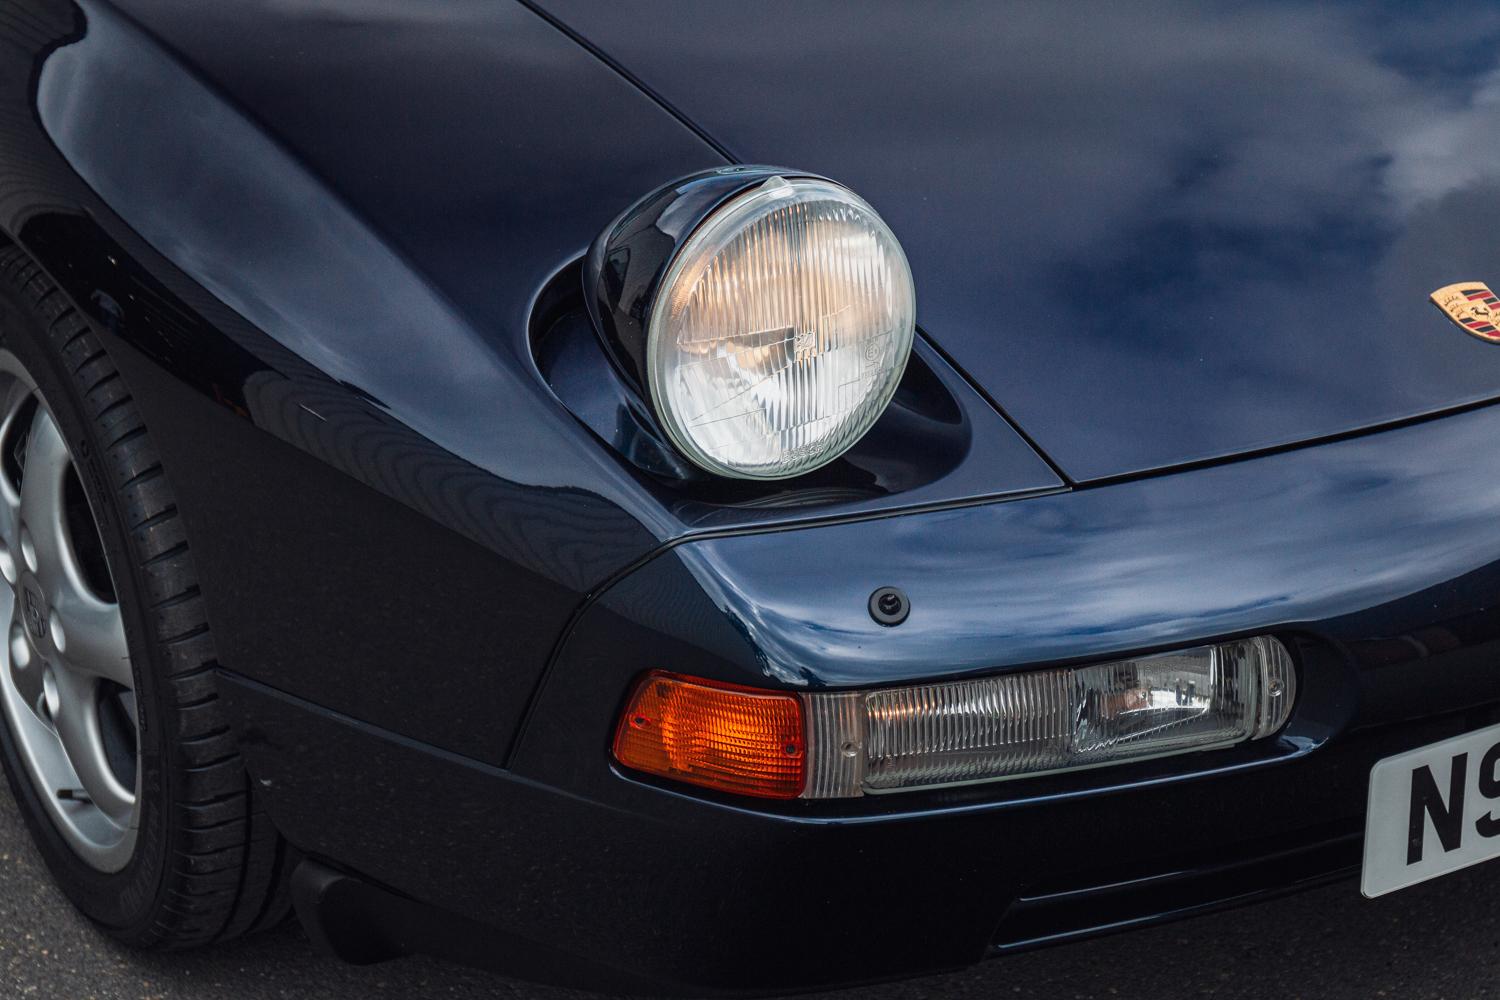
[[719, 736]]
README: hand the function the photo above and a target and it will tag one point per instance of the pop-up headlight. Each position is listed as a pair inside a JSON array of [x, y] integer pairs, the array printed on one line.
[[766, 316]]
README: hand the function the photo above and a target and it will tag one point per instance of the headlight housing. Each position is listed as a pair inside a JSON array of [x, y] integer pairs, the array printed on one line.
[[767, 316], [844, 744]]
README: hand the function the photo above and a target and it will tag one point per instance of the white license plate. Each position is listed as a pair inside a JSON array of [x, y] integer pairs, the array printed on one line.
[[1432, 811]]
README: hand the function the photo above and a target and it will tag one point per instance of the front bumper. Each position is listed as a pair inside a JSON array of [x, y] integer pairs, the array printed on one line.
[[1376, 557], [672, 895]]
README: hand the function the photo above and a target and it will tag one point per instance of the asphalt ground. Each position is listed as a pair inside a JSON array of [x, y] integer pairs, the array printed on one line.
[[1439, 940]]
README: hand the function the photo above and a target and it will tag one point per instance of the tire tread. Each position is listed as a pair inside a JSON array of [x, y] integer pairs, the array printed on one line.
[[226, 874]]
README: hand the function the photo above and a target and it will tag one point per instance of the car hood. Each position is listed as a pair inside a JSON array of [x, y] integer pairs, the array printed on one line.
[[1153, 236]]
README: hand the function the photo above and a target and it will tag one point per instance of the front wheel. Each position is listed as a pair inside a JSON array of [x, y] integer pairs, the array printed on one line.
[[114, 740]]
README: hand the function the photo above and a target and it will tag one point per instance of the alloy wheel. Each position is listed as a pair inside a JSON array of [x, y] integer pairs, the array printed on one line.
[[66, 683]]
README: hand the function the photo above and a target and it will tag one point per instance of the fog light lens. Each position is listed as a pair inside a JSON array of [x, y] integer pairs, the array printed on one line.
[[716, 735], [1052, 720]]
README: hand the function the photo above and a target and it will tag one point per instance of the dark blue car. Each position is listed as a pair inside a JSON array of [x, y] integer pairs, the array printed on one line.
[[680, 497]]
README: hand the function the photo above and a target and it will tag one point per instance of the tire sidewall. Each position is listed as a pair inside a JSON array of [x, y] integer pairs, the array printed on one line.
[[123, 901]]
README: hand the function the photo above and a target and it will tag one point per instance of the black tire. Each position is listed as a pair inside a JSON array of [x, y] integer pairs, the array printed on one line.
[[207, 864]]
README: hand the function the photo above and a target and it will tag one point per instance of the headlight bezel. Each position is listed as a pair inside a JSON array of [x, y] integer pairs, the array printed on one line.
[[627, 270]]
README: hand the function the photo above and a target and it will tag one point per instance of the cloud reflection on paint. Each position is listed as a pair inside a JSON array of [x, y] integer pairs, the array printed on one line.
[[1155, 231], [1307, 536]]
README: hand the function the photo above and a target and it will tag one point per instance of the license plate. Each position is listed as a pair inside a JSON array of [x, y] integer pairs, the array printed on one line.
[[1432, 811]]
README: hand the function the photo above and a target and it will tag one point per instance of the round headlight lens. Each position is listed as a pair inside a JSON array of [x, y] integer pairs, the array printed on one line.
[[781, 330]]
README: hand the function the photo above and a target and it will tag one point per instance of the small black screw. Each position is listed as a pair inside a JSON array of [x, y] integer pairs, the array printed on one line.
[[889, 606]]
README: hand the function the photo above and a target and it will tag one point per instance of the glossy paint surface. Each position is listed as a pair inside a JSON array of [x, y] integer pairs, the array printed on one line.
[[1154, 233], [400, 514], [1394, 632], [1383, 551], [702, 897], [390, 512], [406, 272], [317, 234], [1397, 526], [410, 276]]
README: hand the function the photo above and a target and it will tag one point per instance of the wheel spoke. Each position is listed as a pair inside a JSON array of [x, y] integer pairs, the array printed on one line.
[[93, 637], [25, 669], [13, 396], [77, 723], [88, 632], [28, 682], [47, 464]]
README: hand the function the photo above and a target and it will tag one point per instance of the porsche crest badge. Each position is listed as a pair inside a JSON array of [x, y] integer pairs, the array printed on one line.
[[1472, 306]]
